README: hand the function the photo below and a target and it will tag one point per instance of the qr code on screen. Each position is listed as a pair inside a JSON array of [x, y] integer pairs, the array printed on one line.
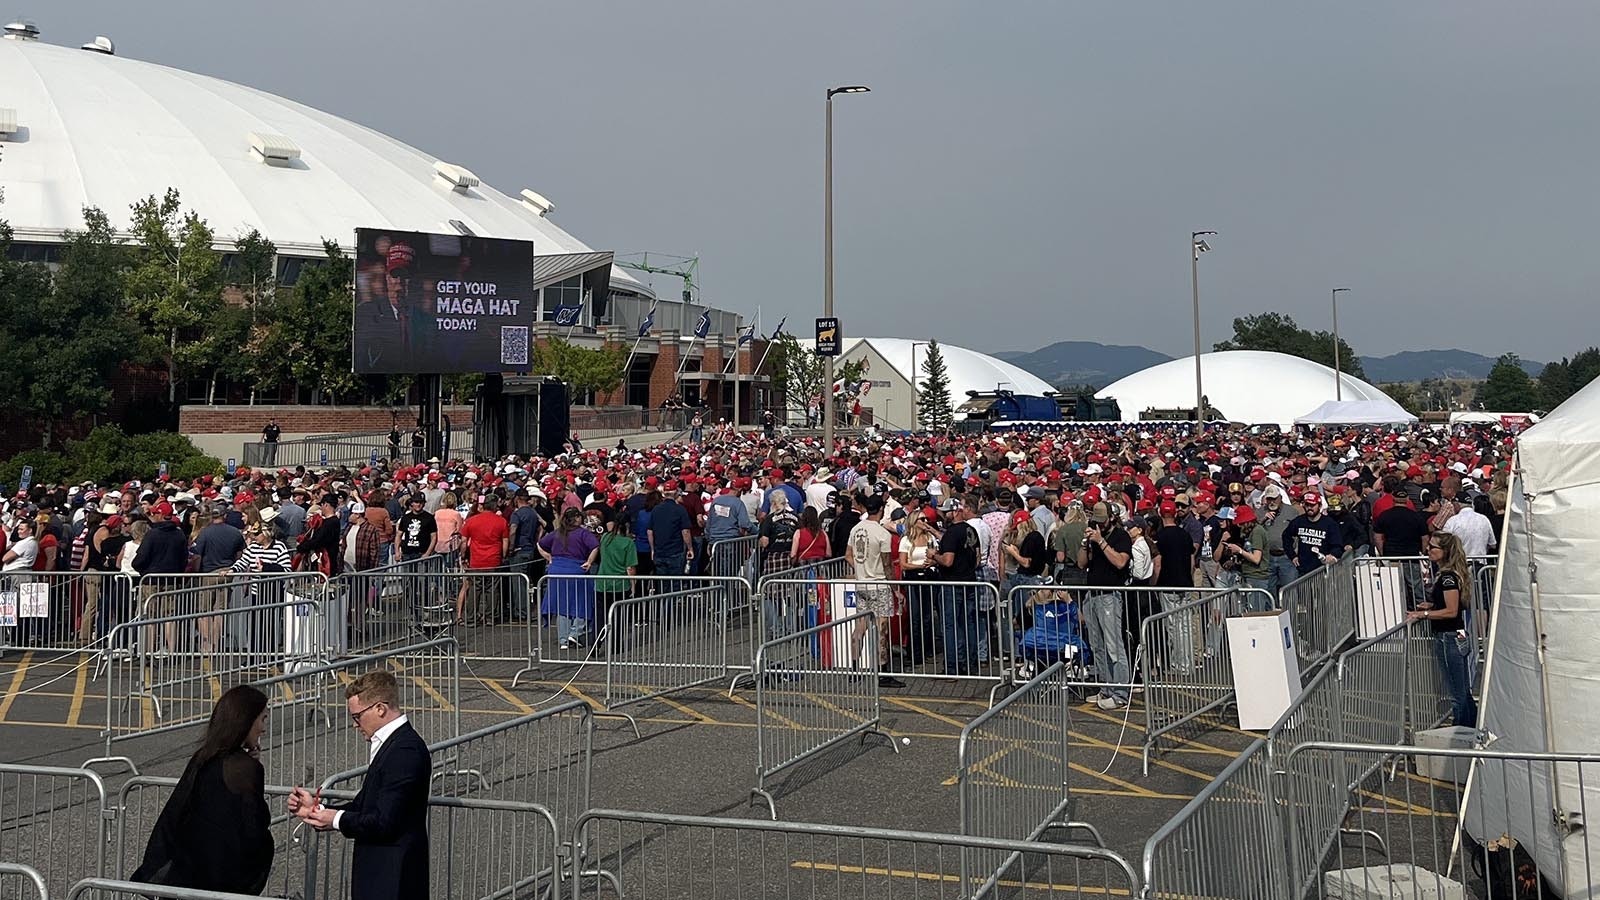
[[514, 345]]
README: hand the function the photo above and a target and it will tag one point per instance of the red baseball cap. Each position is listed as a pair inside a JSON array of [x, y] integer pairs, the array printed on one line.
[[1169, 508]]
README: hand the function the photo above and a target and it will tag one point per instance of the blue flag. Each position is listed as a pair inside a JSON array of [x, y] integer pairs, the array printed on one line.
[[747, 334], [779, 330], [567, 316], [648, 323], [702, 325]]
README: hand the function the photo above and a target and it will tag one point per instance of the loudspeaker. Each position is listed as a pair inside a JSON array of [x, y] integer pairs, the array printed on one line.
[[555, 417]]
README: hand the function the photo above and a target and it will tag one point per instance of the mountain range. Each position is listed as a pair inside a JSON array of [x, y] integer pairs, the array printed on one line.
[[1067, 363]]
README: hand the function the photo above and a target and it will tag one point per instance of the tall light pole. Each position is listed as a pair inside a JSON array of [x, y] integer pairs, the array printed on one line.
[[1338, 388], [827, 255], [913, 423], [1197, 246]]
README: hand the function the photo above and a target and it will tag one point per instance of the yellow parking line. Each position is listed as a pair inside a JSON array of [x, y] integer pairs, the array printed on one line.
[[786, 721], [17, 678], [506, 695], [920, 710], [1052, 887], [700, 717], [1154, 759], [79, 686], [428, 688]]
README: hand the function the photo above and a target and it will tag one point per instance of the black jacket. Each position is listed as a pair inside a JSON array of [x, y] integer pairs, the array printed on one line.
[[213, 833], [164, 551], [388, 820]]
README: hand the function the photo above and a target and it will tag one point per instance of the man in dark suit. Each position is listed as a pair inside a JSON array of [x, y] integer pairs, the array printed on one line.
[[388, 819]]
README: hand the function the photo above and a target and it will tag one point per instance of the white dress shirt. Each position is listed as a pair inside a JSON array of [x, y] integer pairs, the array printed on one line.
[[1474, 530], [375, 743]]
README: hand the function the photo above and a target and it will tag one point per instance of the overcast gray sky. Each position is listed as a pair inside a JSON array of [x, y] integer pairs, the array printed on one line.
[[1023, 172]]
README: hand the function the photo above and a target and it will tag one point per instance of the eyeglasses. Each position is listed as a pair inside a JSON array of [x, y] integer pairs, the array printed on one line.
[[355, 717]]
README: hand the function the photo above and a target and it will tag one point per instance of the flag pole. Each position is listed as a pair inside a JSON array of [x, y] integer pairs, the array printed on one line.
[[649, 316], [587, 295]]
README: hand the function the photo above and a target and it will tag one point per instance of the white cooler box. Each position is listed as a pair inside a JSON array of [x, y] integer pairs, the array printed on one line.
[[1399, 881], [1445, 768], [304, 636], [1266, 674]]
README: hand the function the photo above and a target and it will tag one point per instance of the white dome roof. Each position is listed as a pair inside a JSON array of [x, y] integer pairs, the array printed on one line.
[[106, 131], [969, 370], [1252, 386]]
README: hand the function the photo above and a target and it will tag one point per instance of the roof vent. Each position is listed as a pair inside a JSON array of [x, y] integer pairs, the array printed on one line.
[[101, 44], [273, 149], [461, 228], [8, 123], [537, 202], [22, 31], [458, 178]]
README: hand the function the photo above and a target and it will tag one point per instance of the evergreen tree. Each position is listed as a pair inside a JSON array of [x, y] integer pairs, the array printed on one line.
[[934, 411], [1279, 333], [1508, 388], [1560, 380]]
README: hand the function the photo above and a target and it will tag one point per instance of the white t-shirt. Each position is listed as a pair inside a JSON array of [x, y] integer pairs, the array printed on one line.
[[817, 495], [984, 538], [869, 542], [27, 551]]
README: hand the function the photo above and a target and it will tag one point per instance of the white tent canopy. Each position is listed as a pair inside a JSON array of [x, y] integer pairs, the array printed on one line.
[[1356, 412], [1549, 598]]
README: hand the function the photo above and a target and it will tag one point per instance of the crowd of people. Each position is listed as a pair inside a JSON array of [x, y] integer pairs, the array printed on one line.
[[1091, 508]]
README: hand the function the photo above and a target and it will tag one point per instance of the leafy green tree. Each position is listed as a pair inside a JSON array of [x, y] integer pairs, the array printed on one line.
[[934, 410], [64, 337], [1403, 394], [309, 332], [1279, 333], [797, 372], [252, 276], [583, 369], [1560, 380], [1508, 388], [175, 288]]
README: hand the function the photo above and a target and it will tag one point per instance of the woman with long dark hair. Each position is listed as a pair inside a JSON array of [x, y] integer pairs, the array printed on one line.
[[1448, 597], [213, 833]]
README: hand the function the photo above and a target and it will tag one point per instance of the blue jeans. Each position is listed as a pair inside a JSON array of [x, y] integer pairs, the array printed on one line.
[[1254, 602], [1101, 616], [1454, 654], [1283, 572], [571, 628], [958, 616]]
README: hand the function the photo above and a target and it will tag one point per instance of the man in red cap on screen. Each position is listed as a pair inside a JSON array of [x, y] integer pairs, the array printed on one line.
[[386, 324]]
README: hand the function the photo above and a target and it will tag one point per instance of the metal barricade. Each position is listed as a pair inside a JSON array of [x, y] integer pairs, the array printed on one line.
[[140, 801], [494, 608], [1012, 770], [106, 889], [22, 882], [68, 612], [397, 604], [927, 618], [1427, 694], [1225, 842], [1323, 607], [196, 592], [1184, 658], [780, 610], [160, 678], [308, 731], [811, 695], [660, 644], [544, 758], [1434, 830], [735, 558], [669, 857], [1371, 676], [476, 849], [55, 821], [705, 603]]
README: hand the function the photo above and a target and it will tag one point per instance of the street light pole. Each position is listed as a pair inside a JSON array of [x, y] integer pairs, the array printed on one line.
[[1197, 246], [827, 255], [914, 422], [1338, 386]]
